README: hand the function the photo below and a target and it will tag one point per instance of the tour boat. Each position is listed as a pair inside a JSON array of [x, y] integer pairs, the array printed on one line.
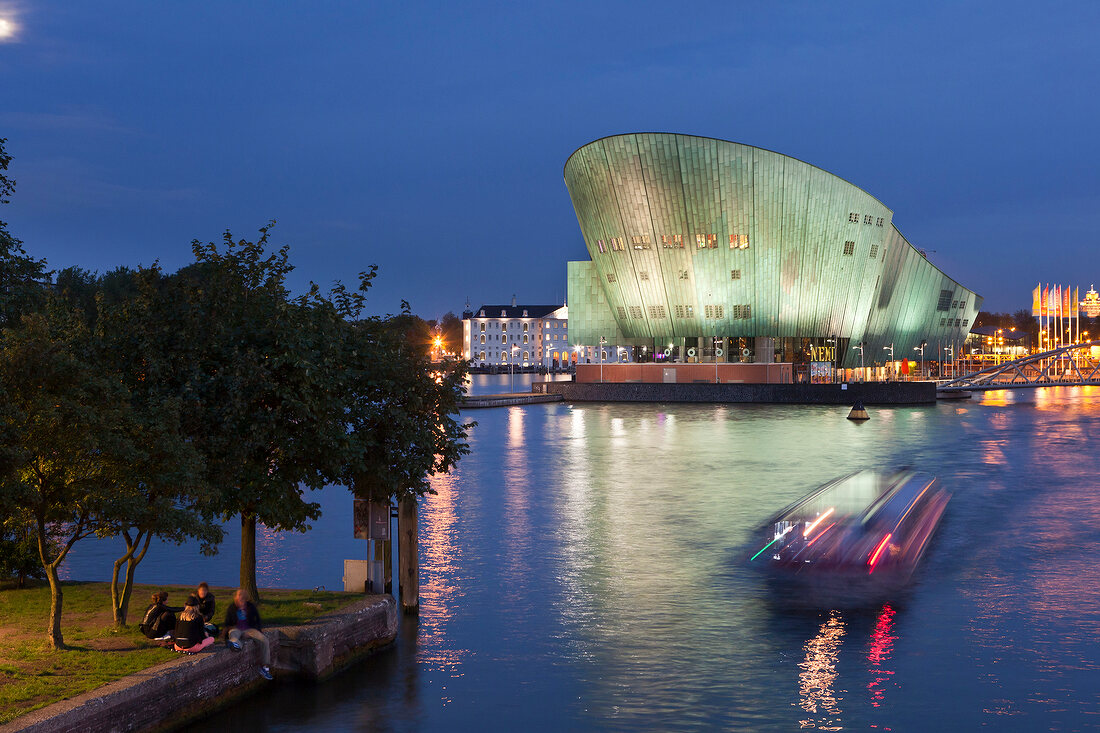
[[855, 540]]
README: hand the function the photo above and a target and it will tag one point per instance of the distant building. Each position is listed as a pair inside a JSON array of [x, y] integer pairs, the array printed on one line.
[[528, 336]]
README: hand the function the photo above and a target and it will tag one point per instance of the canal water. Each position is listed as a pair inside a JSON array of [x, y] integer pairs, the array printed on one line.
[[585, 569]]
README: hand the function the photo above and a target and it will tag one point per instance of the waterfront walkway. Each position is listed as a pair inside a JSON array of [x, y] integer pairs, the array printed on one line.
[[508, 400]]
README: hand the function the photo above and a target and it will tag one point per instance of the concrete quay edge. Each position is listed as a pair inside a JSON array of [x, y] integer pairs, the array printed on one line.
[[187, 688]]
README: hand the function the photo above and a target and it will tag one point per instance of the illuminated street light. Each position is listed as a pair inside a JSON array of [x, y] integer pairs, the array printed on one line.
[[602, 342]]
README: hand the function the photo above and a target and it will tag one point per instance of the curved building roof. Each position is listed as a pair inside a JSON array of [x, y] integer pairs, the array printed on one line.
[[692, 236]]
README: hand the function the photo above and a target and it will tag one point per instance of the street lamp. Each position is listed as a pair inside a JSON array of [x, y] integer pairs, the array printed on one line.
[[832, 340], [512, 366], [862, 376], [602, 342], [890, 348], [920, 348], [951, 357]]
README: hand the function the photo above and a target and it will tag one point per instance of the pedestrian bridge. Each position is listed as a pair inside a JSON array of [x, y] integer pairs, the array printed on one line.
[[1065, 366]]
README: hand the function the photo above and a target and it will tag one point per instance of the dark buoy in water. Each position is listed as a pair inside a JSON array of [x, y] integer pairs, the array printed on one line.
[[858, 413]]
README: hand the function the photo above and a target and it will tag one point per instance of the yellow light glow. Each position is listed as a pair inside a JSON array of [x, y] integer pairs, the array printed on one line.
[[7, 28], [827, 512]]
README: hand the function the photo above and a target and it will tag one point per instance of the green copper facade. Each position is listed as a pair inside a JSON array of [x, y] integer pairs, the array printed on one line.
[[691, 237]]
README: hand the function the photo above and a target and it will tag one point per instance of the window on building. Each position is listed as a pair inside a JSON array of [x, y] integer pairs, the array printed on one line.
[[943, 321], [656, 311], [524, 338], [483, 327], [966, 321], [482, 313], [617, 244], [504, 326], [672, 241], [611, 277], [945, 300], [690, 311], [866, 218], [622, 312], [640, 241], [713, 311], [563, 324], [483, 356], [853, 217], [735, 274], [482, 338], [954, 304], [643, 275], [957, 322], [874, 251], [526, 356], [739, 241], [962, 303], [879, 221], [684, 275], [849, 247], [504, 339], [599, 246], [526, 325]]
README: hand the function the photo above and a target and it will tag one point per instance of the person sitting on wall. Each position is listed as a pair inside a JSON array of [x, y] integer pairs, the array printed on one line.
[[243, 619], [191, 636], [159, 620], [206, 607]]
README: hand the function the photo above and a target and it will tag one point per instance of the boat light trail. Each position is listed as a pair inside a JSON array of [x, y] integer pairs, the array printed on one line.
[[873, 561], [777, 538], [827, 512]]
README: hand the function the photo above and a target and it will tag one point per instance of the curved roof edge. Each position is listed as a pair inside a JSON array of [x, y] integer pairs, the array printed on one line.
[[722, 140], [932, 264]]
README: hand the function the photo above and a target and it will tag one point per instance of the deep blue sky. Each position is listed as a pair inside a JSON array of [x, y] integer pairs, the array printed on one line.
[[430, 139]]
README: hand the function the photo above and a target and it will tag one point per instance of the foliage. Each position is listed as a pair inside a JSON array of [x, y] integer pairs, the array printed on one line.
[[450, 328], [19, 553], [69, 439], [21, 276]]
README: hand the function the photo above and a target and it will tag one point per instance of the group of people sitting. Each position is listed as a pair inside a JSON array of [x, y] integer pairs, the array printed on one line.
[[193, 629]]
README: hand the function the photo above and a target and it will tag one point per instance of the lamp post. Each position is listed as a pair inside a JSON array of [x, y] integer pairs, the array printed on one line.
[[920, 348], [951, 357], [861, 367], [890, 348], [832, 340], [512, 366], [602, 342], [716, 359]]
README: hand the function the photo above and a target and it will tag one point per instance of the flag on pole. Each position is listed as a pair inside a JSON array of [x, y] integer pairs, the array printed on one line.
[[1046, 301], [1036, 301], [1067, 307]]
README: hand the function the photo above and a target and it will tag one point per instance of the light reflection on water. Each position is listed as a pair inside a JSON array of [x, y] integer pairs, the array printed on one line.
[[583, 569]]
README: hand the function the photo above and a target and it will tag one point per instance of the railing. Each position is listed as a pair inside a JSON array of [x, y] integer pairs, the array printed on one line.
[[1065, 366]]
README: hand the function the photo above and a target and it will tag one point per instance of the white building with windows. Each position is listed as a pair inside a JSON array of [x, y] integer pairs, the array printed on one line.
[[528, 336]]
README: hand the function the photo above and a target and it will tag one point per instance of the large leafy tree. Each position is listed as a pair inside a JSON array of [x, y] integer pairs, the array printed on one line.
[[68, 439], [259, 397], [166, 494]]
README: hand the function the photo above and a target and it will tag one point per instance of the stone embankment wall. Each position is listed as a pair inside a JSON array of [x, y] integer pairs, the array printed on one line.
[[870, 393], [180, 690]]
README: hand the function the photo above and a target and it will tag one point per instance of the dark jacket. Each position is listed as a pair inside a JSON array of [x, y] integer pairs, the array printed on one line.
[[251, 615], [206, 607], [189, 633], [158, 621]]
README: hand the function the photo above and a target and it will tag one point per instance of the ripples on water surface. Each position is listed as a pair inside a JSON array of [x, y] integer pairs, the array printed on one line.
[[584, 569]]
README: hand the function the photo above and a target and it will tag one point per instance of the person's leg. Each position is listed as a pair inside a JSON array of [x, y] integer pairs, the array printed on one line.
[[234, 637], [265, 646]]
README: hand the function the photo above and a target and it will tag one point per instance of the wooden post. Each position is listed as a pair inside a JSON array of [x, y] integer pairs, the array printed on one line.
[[387, 566], [408, 556]]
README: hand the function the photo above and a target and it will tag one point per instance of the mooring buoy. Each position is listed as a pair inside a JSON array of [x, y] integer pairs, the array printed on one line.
[[858, 413]]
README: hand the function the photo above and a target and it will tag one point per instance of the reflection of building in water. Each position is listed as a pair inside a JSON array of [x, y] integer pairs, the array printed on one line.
[[818, 676], [882, 646]]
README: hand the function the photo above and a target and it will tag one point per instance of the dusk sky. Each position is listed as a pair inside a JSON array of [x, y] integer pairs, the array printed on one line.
[[429, 139]]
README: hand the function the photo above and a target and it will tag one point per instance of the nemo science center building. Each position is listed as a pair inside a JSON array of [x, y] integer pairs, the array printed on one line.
[[711, 252]]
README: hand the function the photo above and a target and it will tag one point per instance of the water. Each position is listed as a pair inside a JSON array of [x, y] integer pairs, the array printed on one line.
[[486, 384], [583, 569]]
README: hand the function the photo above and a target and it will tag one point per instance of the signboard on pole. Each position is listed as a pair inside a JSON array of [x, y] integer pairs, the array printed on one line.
[[371, 519]]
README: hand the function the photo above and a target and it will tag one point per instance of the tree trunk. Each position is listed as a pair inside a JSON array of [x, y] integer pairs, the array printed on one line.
[[128, 585], [54, 635], [116, 601], [248, 557], [408, 559]]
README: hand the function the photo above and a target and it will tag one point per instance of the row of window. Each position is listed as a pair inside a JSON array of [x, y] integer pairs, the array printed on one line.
[[850, 249], [947, 322], [504, 338], [504, 325], [946, 303], [670, 241], [853, 217]]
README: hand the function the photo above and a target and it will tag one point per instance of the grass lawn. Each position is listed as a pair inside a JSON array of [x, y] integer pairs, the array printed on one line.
[[33, 676]]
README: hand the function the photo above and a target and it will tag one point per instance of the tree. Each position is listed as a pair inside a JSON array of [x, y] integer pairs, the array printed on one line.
[[22, 278], [450, 327], [68, 439], [259, 397], [166, 493]]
